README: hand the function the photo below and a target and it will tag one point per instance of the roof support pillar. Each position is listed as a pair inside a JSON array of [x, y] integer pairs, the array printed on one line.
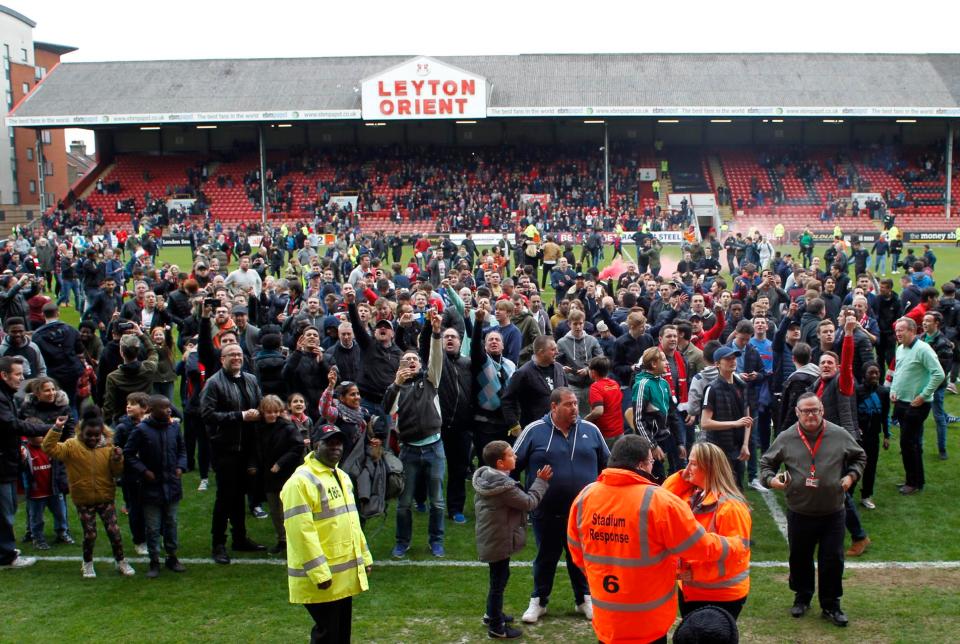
[[263, 176], [41, 175], [606, 167], [947, 193]]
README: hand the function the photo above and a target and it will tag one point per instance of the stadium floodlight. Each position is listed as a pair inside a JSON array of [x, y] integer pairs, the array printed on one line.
[[721, 121], [668, 120], [906, 120], [776, 120], [206, 127], [600, 122], [149, 127], [465, 122], [285, 125]]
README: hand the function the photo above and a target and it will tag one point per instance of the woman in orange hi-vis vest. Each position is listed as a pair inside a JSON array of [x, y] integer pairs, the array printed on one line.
[[630, 558], [708, 487]]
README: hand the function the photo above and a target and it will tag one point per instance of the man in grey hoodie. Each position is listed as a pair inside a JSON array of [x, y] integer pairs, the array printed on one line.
[[577, 349], [698, 386]]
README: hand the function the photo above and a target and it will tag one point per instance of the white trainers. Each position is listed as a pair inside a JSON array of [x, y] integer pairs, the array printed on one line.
[[868, 503], [535, 611], [141, 549], [757, 485], [21, 562], [203, 485], [125, 569], [586, 607], [88, 571]]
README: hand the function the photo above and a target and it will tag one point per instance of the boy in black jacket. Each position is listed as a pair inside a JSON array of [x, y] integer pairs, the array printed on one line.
[[156, 452]]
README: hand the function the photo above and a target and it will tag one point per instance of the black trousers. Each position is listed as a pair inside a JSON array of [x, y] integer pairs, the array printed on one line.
[[911, 434], [331, 621], [872, 437], [231, 471], [823, 534], [499, 576], [456, 447], [198, 444]]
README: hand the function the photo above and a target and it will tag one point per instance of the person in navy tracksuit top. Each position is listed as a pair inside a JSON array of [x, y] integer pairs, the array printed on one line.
[[576, 451]]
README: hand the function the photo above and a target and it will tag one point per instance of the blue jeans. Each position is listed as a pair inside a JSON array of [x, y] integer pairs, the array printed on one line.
[[880, 261], [431, 460], [66, 287], [8, 510], [161, 519], [940, 419], [57, 505]]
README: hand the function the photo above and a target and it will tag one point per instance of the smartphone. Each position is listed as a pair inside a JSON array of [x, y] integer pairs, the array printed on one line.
[[211, 302]]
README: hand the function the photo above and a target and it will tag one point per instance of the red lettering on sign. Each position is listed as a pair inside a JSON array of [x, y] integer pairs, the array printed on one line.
[[417, 86], [400, 87], [386, 108], [429, 106], [445, 105], [468, 87], [461, 105], [403, 107], [381, 89], [449, 88], [433, 86]]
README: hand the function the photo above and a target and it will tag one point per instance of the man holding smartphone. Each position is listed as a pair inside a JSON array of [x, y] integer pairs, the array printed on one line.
[[821, 463]]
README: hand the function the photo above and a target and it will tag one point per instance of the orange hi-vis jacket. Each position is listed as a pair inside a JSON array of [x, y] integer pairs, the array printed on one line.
[[727, 579], [627, 534]]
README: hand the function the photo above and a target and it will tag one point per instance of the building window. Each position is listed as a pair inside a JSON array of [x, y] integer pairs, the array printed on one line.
[[48, 168], [9, 99], [29, 154], [25, 87], [23, 55], [16, 198], [50, 198], [45, 136], [33, 186]]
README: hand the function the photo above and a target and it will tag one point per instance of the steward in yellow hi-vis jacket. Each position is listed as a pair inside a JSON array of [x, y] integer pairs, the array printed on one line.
[[327, 556]]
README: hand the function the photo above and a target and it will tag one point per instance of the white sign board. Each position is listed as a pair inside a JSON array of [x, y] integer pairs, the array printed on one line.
[[345, 201], [648, 174], [422, 89]]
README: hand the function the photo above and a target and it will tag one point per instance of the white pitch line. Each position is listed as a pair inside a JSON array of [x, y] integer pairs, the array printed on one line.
[[775, 511], [445, 563]]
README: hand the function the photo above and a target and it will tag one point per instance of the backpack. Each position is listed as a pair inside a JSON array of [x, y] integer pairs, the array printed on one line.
[[395, 480]]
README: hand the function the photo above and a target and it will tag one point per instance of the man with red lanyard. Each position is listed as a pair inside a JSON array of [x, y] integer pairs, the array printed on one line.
[[818, 458]]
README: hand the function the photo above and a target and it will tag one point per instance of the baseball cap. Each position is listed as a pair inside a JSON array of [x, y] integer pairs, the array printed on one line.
[[695, 316], [725, 352], [326, 431], [240, 310], [386, 324], [792, 323], [580, 276]]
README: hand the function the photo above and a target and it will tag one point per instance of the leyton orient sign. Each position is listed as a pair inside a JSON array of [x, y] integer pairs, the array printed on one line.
[[424, 88]]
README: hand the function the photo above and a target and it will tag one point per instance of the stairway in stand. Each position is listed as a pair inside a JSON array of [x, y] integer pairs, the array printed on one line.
[[719, 180]]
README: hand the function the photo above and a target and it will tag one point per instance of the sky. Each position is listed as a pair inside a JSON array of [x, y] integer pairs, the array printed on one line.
[[178, 29]]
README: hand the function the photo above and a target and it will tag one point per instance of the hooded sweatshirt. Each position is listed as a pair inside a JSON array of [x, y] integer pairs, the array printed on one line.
[[698, 386], [798, 382], [502, 507]]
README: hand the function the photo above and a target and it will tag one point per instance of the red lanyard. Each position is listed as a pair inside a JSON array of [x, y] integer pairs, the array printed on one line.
[[813, 450]]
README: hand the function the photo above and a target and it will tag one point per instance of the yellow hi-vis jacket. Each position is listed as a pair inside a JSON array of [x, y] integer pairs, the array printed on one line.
[[324, 539]]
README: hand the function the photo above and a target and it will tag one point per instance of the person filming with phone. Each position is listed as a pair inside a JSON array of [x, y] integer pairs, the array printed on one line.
[[821, 463]]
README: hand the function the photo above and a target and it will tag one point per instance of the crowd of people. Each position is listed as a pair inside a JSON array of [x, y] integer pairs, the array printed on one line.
[[318, 383]]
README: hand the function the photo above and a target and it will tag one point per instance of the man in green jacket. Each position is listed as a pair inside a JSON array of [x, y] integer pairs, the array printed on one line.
[[917, 374]]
